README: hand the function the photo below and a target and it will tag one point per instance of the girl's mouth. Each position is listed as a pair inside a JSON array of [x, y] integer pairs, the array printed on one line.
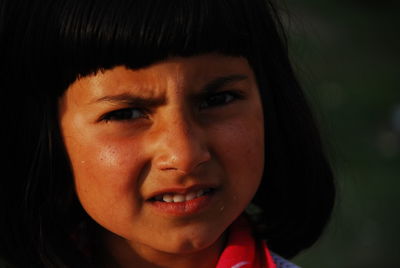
[[177, 198], [180, 205]]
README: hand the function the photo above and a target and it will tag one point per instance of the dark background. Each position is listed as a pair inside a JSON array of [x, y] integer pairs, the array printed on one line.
[[347, 55]]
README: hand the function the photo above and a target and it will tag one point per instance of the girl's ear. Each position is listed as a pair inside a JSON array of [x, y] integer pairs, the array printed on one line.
[[254, 213]]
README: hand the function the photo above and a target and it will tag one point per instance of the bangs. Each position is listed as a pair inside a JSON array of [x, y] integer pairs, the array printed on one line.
[[55, 42], [95, 35]]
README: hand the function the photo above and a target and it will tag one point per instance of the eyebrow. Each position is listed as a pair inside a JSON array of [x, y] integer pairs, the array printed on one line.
[[217, 83], [127, 98]]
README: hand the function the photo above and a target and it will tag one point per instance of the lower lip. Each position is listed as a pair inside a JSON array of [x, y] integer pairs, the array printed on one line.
[[185, 208]]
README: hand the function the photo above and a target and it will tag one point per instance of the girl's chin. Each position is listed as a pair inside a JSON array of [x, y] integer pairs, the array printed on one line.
[[191, 245]]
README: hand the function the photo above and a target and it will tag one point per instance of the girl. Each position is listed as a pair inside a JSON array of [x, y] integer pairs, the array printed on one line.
[[149, 133]]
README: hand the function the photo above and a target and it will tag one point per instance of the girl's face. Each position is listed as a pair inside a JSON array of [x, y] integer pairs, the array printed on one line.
[[166, 157]]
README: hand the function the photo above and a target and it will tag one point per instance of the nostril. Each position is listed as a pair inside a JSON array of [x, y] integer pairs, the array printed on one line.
[[182, 147], [181, 161]]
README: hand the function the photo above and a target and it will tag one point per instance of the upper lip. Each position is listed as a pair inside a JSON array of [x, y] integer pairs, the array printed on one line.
[[181, 190]]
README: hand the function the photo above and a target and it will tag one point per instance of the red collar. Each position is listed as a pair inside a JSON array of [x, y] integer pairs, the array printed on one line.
[[243, 251]]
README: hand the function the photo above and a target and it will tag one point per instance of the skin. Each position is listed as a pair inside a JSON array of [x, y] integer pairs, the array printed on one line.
[[181, 135]]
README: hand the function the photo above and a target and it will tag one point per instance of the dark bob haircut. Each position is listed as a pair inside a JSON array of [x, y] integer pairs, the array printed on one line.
[[46, 45]]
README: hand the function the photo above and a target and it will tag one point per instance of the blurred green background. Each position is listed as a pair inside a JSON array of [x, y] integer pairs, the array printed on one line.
[[347, 55]]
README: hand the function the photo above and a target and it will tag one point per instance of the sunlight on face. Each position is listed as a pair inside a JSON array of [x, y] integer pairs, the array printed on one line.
[[166, 157]]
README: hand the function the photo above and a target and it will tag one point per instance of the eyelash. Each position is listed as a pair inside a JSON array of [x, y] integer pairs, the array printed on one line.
[[210, 101], [125, 114], [216, 99]]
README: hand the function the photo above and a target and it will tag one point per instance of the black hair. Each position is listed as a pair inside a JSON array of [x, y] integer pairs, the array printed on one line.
[[46, 45]]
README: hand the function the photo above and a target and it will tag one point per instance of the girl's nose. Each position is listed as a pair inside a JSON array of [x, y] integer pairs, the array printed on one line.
[[181, 145]]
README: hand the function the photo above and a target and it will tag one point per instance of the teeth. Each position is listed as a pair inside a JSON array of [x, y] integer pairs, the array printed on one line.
[[200, 193], [180, 197], [190, 196], [168, 198]]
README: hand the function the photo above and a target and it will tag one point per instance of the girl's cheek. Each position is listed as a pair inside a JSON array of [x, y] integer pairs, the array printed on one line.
[[246, 145], [111, 151], [109, 162], [243, 138]]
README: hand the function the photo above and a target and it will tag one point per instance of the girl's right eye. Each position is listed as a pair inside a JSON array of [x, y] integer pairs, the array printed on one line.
[[125, 115]]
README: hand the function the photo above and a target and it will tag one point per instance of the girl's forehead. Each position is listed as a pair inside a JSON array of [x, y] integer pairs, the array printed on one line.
[[190, 73]]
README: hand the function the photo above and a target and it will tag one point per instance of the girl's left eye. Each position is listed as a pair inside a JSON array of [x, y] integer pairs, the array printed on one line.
[[125, 114], [219, 99]]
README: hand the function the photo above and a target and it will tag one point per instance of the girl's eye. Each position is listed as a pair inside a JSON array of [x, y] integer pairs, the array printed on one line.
[[125, 114], [219, 99]]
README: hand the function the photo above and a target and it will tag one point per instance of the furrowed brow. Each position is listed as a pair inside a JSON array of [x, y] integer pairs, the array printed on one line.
[[131, 100]]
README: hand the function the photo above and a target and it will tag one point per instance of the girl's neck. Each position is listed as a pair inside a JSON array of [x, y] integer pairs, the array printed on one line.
[[125, 255]]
